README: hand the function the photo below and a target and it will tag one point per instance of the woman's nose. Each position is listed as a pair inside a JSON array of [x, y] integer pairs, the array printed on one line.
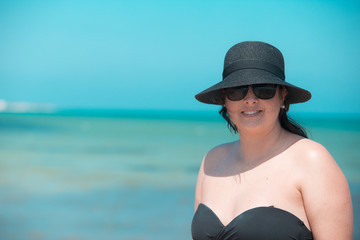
[[250, 96]]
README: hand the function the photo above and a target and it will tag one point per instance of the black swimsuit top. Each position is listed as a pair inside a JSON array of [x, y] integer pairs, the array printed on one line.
[[260, 223]]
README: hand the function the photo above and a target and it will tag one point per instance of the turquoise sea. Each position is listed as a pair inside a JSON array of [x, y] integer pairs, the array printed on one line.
[[125, 175]]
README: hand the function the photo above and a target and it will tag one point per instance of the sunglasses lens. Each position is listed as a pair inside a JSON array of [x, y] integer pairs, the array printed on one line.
[[264, 91], [236, 93]]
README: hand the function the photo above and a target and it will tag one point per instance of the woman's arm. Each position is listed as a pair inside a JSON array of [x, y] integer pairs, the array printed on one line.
[[199, 186], [326, 195]]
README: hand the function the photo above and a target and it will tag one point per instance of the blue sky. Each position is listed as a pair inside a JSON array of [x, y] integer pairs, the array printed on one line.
[[158, 54]]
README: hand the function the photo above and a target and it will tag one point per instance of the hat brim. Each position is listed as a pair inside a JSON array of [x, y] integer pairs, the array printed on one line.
[[214, 94]]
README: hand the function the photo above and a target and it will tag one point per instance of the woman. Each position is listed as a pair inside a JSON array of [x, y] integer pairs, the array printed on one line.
[[273, 183]]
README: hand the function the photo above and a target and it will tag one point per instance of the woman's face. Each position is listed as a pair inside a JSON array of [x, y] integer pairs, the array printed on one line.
[[252, 114]]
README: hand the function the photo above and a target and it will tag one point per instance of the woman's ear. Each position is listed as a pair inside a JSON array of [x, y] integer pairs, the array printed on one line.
[[283, 93]]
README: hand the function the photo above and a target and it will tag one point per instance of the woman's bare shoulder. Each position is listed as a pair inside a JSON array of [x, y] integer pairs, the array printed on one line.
[[222, 147], [220, 151], [217, 155], [312, 161], [310, 152]]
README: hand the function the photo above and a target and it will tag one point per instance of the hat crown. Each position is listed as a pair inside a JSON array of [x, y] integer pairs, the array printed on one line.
[[253, 50]]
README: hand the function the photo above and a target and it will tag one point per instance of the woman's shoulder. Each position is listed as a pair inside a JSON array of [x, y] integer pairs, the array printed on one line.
[[218, 154], [309, 150], [224, 146], [221, 150], [313, 159]]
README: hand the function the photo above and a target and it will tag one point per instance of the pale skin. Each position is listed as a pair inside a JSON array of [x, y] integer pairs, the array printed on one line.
[[270, 166]]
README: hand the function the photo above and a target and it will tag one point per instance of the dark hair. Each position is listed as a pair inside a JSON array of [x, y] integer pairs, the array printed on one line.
[[285, 121]]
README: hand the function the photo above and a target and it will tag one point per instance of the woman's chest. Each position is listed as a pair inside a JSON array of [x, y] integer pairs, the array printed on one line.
[[230, 195]]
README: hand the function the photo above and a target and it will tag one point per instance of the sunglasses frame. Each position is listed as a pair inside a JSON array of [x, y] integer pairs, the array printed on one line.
[[275, 86]]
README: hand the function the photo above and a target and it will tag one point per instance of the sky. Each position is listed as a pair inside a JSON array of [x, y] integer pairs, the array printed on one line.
[[132, 54]]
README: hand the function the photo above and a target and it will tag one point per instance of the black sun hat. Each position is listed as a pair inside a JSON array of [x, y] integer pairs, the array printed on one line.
[[249, 63]]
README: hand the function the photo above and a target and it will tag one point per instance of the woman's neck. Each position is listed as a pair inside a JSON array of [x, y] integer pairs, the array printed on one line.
[[258, 147]]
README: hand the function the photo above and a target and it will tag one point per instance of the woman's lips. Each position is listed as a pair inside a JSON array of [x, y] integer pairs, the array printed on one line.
[[251, 113]]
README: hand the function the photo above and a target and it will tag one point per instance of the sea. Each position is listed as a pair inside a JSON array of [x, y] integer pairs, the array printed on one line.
[[111, 174]]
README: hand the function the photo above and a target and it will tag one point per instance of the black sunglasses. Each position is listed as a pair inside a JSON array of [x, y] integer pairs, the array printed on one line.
[[261, 91]]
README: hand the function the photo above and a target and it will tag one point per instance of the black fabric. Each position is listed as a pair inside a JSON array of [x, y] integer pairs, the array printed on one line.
[[253, 64], [261, 223]]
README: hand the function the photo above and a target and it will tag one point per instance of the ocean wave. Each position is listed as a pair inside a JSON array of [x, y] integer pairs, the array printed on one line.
[[26, 107]]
